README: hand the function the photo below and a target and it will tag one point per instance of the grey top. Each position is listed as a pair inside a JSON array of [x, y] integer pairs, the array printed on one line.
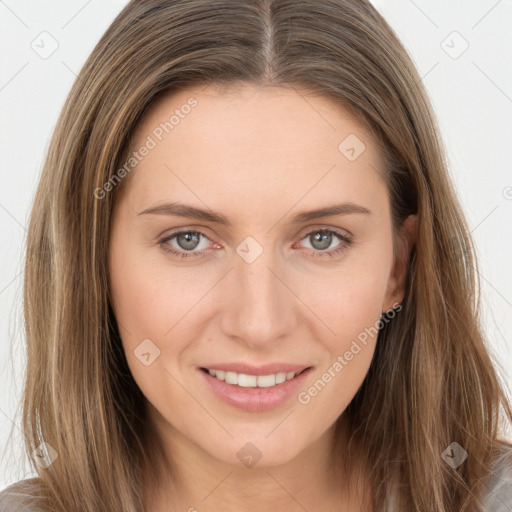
[[22, 496], [498, 497]]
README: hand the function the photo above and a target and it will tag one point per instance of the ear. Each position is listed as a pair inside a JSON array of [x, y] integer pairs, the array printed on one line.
[[396, 283]]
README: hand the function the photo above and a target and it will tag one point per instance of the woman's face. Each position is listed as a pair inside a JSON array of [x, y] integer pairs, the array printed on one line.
[[218, 261]]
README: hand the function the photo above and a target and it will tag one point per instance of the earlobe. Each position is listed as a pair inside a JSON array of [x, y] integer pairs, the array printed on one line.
[[405, 242]]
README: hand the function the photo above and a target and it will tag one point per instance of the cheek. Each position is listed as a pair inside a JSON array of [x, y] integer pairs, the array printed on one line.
[[148, 306], [351, 308], [347, 304], [148, 296], [153, 302], [349, 299]]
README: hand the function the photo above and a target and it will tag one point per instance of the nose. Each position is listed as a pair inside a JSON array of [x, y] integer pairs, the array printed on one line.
[[260, 307]]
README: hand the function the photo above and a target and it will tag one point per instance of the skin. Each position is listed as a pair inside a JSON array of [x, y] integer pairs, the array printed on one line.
[[258, 156]]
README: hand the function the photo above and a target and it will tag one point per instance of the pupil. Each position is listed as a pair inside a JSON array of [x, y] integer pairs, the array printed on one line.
[[190, 240], [324, 238]]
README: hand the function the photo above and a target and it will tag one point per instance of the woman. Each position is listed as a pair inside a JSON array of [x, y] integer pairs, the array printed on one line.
[[249, 282]]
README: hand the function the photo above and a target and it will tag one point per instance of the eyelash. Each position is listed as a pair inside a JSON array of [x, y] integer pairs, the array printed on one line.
[[345, 243]]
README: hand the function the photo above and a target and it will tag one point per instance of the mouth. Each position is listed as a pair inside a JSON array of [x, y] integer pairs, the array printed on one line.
[[255, 393], [253, 381]]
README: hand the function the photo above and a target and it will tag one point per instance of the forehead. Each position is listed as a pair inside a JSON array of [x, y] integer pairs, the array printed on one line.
[[249, 140], [240, 111]]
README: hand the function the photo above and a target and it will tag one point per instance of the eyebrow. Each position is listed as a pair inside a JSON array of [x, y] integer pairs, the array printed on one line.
[[182, 210]]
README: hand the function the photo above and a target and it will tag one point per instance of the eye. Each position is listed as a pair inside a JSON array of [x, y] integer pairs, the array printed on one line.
[[321, 239], [186, 241]]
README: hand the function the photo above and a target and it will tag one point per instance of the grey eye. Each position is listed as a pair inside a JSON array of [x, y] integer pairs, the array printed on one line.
[[188, 240], [320, 240]]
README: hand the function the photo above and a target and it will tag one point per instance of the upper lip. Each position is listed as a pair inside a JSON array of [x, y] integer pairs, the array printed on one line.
[[247, 369]]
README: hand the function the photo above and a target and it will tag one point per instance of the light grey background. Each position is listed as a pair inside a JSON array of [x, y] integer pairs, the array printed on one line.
[[471, 92]]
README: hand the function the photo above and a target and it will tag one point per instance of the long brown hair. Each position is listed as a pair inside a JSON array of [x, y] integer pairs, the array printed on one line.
[[431, 382]]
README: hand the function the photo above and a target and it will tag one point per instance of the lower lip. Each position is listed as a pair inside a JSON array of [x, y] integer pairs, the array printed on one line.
[[255, 399]]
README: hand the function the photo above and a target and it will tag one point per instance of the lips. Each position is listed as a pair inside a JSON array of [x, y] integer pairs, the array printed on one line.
[[254, 389]]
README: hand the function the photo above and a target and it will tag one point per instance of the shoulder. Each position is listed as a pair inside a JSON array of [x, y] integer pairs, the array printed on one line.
[[498, 494], [22, 496]]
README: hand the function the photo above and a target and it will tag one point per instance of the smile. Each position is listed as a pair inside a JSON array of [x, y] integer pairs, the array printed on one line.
[[253, 388], [251, 381]]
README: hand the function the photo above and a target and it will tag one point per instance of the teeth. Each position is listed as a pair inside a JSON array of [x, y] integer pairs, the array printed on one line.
[[231, 377], [266, 381], [247, 381], [252, 381], [280, 377]]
